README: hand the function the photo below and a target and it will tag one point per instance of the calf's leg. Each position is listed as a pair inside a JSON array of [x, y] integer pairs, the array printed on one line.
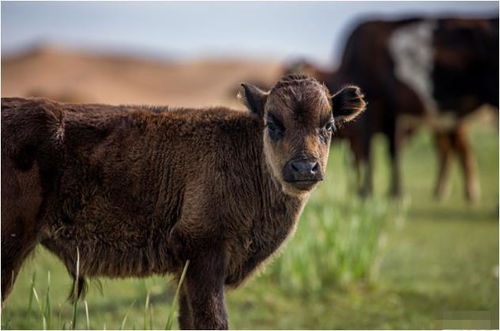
[[185, 310], [202, 298], [16, 246], [204, 282], [21, 200]]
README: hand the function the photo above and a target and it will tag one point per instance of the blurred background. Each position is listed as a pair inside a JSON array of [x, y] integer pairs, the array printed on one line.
[[397, 240]]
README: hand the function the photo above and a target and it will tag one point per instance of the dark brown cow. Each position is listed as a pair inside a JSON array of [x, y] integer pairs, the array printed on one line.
[[422, 70], [419, 71], [136, 191]]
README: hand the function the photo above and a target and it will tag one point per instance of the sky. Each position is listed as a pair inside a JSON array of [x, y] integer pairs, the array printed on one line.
[[185, 30]]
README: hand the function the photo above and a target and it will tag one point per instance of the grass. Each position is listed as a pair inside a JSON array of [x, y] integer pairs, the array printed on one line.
[[412, 264], [335, 246]]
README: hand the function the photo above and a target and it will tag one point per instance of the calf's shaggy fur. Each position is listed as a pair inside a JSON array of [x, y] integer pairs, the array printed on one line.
[[137, 191]]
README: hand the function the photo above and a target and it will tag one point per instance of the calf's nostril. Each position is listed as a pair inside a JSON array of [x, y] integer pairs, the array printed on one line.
[[315, 167]]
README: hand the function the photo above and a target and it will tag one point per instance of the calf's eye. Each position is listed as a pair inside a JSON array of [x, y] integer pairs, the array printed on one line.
[[272, 127], [276, 129], [326, 131], [330, 126]]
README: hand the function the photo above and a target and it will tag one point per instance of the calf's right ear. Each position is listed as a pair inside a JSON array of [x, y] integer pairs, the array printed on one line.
[[348, 103], [253, 98]]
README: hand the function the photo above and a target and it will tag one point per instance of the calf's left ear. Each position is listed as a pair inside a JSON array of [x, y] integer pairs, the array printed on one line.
[[253, 98], [348, 103]]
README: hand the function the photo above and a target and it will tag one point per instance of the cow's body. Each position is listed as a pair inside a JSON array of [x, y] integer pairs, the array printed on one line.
[[420, 71], [121, 191]]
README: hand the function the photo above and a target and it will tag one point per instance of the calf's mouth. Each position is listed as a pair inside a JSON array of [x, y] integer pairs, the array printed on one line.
[[304, 185]]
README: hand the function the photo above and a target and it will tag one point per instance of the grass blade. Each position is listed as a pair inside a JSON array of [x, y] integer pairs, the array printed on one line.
[[122, 326], [75, 290], [87, 314], [48, 308], [170, 319], [32, 288], [151, 327], [146, 312], [40, 308]]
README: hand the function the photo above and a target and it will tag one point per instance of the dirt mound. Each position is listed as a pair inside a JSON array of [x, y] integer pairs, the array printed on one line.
[[84, 77]]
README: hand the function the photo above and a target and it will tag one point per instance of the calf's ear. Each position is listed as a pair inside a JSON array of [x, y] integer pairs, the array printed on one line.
[[348, 103], [253, 98]]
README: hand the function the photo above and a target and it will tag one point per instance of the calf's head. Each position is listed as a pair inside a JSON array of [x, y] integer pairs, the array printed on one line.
[[299, 117]]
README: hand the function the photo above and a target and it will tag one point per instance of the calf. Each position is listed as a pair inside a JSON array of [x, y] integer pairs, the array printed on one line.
[[135, 191]]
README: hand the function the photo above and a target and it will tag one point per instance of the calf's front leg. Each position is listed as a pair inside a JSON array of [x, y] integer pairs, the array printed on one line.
[[185, 310], [204, 285]]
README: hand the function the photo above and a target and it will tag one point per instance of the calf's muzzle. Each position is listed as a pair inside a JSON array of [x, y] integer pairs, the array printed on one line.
[[302, 173]]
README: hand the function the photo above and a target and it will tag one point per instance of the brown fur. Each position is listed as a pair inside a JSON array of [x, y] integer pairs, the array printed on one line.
[[137, 191]]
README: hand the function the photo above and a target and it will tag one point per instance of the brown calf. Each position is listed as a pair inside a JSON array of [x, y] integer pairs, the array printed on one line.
[[136, 191]]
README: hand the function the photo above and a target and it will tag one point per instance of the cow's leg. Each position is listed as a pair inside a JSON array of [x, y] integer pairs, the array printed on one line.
[[367, 186], [466, 157], [395, 190], [358, 163], [185, 310], [444, 148], [359, 166], [395, 137], [205, 285]]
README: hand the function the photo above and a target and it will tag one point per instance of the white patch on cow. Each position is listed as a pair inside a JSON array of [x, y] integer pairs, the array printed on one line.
[[412, 50]]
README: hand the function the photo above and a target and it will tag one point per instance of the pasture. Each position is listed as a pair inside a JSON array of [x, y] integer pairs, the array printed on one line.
[[376, 264]]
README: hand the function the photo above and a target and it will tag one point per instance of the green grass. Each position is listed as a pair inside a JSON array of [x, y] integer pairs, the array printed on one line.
[[413, 264]]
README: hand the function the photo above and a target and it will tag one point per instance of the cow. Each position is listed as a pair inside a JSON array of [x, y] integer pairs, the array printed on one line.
[[415, 72], [121, 191]]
